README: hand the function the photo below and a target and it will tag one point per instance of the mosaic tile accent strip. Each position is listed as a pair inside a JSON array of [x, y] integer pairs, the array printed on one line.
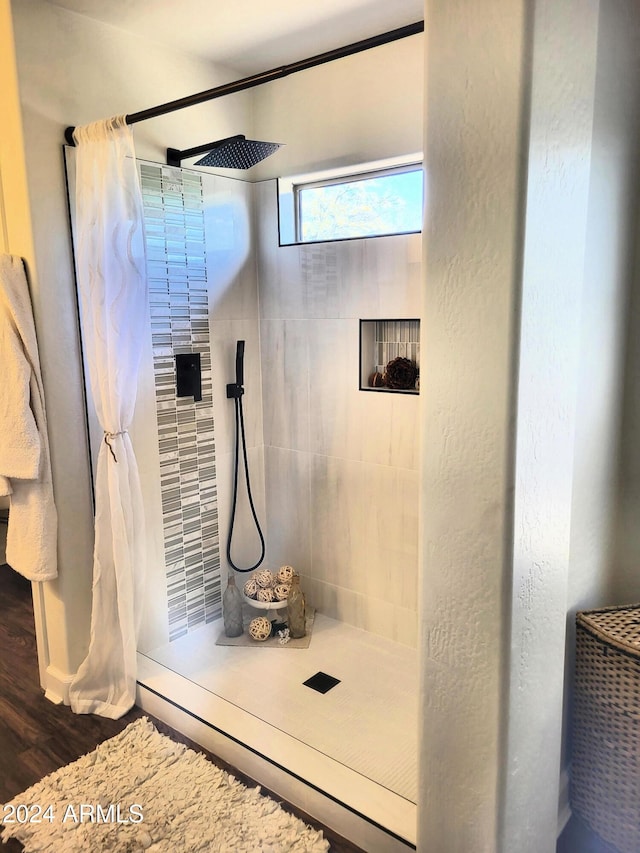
[[174, 225]]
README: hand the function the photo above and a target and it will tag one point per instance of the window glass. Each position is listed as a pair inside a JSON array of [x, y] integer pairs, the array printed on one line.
[[386, 202]]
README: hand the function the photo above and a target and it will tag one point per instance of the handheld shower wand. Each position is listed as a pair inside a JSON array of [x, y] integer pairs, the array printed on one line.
[[235, 390], [240, 363]]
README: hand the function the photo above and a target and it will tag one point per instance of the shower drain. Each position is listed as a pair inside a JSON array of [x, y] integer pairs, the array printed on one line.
[[321, 682]]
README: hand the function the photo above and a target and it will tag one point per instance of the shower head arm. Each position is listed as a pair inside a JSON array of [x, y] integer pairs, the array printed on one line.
[[175, 157]]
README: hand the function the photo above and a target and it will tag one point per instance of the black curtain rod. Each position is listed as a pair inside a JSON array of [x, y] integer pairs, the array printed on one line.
[[268, 76]]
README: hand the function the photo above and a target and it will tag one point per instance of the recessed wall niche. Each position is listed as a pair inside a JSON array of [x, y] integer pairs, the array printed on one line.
[[390, 356]]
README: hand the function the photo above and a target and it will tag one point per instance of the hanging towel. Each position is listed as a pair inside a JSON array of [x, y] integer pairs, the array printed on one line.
[[25, 469]]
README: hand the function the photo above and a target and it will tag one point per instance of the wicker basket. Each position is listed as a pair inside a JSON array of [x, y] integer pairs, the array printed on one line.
[[605, 776]]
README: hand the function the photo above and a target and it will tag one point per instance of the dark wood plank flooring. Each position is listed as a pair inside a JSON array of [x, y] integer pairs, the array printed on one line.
[[37, 737]]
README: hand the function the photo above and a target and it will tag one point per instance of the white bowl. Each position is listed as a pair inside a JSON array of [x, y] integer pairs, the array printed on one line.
[[264, 605]]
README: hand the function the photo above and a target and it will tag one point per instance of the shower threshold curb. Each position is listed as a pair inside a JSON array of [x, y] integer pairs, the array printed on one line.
[[369, 815]]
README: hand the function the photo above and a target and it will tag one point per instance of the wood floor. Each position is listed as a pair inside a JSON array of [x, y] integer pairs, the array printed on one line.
[[37, 737]]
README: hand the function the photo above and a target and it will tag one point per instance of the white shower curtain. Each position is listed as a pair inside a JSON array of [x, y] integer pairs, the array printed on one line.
[[113, 302]]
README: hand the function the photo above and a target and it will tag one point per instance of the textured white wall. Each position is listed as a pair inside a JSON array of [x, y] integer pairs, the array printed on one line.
[[616, 212], [605, 547], [559, 165], [73, 70], [494, 619], [15, 214], [474, 119], [15, 217]]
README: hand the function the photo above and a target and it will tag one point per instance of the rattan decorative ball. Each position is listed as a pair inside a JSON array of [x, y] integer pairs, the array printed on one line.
[[281, 591], [260, 629], [250, 588], [264, 578], [285, 574], [265, 594]]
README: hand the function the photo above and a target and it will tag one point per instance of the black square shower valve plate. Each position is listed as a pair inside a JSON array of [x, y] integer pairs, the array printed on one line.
[[321, 682]]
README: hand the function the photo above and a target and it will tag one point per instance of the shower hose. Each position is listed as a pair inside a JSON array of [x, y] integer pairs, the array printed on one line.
[[240, 438]]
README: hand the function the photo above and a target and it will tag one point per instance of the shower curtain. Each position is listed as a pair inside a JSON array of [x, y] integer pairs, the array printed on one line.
[[112, 286]]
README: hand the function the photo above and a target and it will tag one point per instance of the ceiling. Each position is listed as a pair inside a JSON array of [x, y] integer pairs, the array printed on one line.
[[251, 35]]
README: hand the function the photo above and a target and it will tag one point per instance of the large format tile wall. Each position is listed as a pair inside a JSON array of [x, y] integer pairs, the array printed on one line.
[[341, 465], [333, 469], [178, 298], [233, 316]]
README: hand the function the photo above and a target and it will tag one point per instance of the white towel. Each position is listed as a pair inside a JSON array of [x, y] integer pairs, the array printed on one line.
[[25, 469]]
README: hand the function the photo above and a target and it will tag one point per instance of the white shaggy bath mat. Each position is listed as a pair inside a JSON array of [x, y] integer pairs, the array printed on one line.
[[141, 791]]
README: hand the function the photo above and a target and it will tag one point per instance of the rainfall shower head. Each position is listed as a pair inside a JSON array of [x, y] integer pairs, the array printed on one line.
[[236, 152]]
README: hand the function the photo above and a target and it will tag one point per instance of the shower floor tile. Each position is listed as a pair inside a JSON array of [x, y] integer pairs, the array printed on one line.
[[367, 722]]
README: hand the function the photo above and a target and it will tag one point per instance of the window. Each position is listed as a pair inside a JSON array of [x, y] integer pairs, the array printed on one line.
[[369, 203]]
